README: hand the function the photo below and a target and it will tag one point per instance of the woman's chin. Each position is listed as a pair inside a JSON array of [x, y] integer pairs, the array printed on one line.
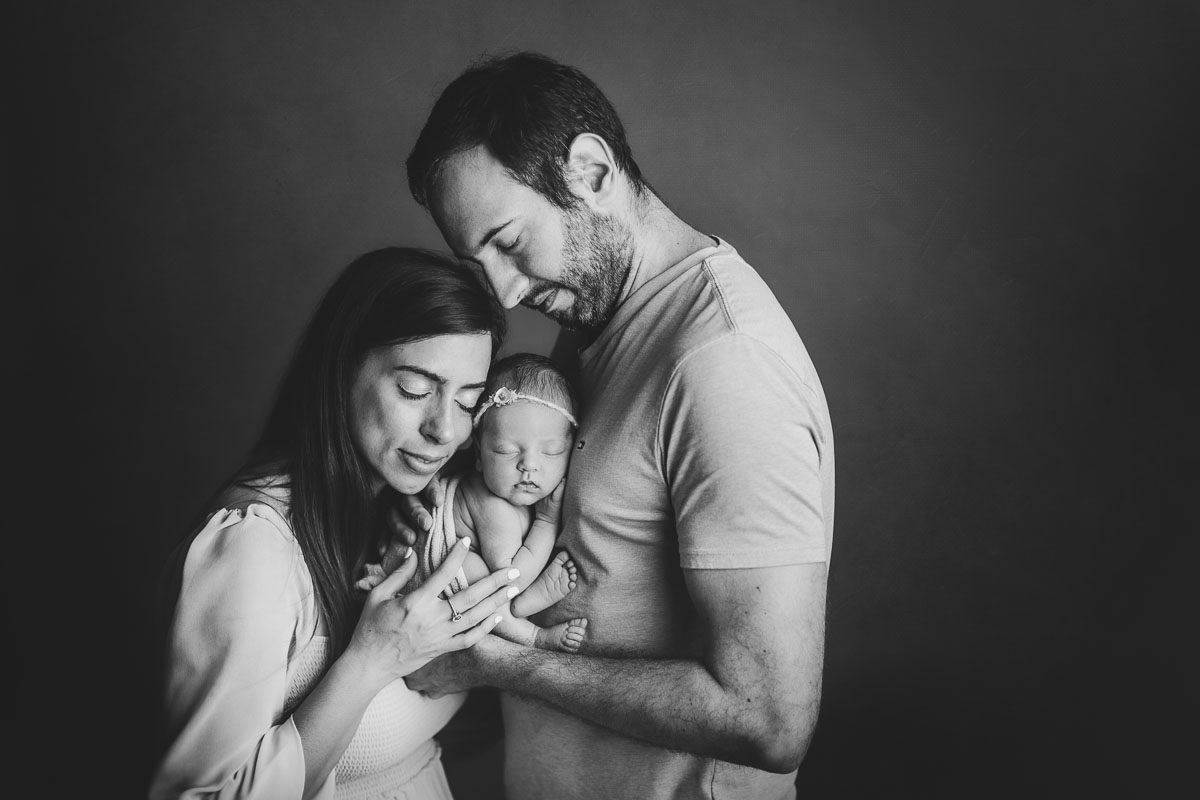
[[405, 482]]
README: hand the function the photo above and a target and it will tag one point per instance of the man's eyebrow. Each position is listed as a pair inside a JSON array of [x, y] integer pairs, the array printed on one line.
[[487, 237], [433, 376]]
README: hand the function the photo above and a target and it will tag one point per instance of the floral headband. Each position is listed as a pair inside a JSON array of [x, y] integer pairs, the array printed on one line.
[[505, 396]]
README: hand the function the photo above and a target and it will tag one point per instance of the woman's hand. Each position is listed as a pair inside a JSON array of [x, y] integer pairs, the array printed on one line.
[[398, 633]]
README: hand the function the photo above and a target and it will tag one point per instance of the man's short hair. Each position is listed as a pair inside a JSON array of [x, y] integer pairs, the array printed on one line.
[[526, 109]]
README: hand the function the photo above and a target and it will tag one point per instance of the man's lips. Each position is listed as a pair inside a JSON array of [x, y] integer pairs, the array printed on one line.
[[543, 302]]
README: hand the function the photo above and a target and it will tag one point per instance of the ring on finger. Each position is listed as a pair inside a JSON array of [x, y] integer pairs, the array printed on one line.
[[455, 615]]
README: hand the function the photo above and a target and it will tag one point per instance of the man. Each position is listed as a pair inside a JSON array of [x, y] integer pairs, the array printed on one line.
[[699, 503]]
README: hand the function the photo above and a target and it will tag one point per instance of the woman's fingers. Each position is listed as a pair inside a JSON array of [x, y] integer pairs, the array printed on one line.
[[444, 575], [400, 576], [498, 581], [472, 636]]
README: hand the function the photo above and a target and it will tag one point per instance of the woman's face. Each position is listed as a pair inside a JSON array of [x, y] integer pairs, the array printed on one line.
[[411, 406]]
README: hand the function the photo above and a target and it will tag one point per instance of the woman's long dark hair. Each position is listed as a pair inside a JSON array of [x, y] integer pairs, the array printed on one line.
[[385, 297]]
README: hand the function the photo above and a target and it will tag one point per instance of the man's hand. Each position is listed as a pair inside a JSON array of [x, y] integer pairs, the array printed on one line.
[[455, 672]]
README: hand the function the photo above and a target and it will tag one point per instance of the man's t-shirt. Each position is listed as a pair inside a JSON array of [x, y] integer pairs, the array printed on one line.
[[705, 443]]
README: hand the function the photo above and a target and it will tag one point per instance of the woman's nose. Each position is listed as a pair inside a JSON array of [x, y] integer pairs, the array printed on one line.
[[438, 425]]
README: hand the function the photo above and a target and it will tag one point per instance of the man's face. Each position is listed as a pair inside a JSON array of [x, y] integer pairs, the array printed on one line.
[[569, 265]]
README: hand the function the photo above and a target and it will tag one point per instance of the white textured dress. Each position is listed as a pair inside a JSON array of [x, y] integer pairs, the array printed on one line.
[[244, 650]]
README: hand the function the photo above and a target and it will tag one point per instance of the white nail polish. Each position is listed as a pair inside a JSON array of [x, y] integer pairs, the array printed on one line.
[[498, 620], [465, 542], [512, 592], [513, 574]]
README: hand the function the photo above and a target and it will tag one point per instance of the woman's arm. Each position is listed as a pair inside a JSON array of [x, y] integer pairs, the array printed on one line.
[[396, 635], [241, 602]]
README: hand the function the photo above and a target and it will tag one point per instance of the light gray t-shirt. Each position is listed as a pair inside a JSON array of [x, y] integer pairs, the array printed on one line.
[[705, 443]]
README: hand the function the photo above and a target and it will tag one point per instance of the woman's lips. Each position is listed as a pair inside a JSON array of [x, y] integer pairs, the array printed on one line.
[[422, 465]]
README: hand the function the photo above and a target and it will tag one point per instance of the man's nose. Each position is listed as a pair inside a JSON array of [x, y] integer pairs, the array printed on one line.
[[507, 282]]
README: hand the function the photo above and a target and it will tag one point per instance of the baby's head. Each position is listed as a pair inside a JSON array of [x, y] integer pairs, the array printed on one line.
[[525, 428]]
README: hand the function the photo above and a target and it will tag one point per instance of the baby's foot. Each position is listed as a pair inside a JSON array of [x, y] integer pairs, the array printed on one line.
[[558, 578], [554, 583], [566, 636]]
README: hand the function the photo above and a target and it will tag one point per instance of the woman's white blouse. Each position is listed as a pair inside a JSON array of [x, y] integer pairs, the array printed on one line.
[[244, 651]]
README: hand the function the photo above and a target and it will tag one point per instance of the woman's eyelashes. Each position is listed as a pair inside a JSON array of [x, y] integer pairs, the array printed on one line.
[[414, 391], [470, 402], [466, 405]]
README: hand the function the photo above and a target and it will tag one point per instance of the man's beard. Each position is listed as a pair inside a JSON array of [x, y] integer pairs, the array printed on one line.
[[597, 256]]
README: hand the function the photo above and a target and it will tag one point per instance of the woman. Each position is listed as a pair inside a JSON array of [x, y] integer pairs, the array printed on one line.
[[280, 680]]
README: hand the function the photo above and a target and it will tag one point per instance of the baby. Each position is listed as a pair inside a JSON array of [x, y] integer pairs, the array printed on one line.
[[524, 432]]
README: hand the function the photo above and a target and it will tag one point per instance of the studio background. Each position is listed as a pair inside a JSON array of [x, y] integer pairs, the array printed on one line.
[[975, 213]]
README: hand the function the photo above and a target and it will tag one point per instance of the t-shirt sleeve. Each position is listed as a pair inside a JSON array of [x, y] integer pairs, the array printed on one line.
[[741, 448], [240, 604]]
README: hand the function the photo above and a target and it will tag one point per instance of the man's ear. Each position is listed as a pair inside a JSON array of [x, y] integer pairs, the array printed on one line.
[[591, 170]]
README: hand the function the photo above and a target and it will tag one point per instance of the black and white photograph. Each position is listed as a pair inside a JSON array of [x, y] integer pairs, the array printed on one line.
[[632, 400]]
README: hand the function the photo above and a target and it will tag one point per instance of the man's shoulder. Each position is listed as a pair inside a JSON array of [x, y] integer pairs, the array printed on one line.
[[746, 299], [720, 296]]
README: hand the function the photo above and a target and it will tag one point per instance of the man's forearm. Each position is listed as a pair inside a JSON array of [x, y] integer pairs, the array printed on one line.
[[677, 704], [752, 698]]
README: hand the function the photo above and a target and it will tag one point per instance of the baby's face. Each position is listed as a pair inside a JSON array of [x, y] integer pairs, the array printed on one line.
[[524, 449]]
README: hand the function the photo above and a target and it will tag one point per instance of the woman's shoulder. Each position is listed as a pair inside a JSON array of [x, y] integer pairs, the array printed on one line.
[[273, 490], [249, 553], [253, 515]]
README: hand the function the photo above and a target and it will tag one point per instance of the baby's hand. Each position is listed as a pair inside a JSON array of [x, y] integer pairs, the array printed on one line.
[[549, 508]]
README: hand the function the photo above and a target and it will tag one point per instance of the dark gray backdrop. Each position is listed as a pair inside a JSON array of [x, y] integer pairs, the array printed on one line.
[[974, 213]]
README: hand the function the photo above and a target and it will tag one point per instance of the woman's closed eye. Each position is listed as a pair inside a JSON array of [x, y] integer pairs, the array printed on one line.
[[415, 390], [468, 402]]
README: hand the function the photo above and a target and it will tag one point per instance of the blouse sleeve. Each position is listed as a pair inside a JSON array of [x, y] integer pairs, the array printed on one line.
[[244, 599]]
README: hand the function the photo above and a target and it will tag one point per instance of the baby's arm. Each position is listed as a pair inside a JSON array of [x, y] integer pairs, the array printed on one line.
[[497, 527], [500, 529], [537, 542], [534, 552]]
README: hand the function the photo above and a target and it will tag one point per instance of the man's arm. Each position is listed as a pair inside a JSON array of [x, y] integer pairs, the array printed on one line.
[[752, 700]]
